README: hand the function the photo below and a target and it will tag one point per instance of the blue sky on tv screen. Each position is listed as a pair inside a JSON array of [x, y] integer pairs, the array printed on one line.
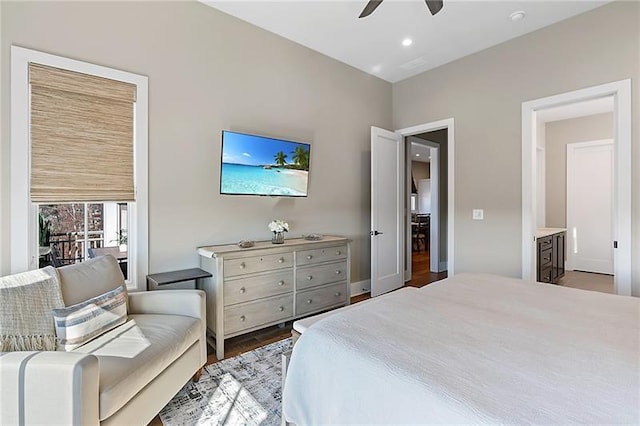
[[253, 150]]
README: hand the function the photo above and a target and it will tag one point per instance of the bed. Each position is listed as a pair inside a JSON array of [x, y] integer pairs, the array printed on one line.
[[470, 349]]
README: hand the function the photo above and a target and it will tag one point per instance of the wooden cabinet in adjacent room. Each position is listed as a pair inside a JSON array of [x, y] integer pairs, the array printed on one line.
[[551, 254]]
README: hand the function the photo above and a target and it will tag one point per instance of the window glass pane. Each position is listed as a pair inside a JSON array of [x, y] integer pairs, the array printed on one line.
[[61, 233], [95, 225], [62, 237], [115, 233]]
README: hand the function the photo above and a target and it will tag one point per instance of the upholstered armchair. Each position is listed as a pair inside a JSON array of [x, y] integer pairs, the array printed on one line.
[[124, 376]]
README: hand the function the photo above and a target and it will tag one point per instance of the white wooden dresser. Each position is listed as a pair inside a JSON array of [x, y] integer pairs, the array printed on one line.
[[269, 284]]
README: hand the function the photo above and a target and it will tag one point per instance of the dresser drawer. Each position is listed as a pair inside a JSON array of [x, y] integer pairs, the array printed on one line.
[[545, 275], [545, 257], [307, 257], [253, 314], [321, 298], [257, 287], [248, 265], [545, 242], [322, 274]]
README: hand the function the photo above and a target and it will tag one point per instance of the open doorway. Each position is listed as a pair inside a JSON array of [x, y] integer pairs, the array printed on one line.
[[427, 206], [575, 190], [390, 200], [422, 168], [535, 217]]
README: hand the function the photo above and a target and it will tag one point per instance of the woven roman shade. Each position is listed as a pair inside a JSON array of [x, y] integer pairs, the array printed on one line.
[[81, 137]]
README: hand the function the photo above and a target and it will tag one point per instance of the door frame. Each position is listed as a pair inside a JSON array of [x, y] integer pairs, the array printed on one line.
[[434, 222], [430, 127], [571, 148], [621, 92]]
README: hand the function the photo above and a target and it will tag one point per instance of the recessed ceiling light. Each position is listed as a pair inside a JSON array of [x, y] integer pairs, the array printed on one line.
[[517, 16], [417, 155], [407, 42]]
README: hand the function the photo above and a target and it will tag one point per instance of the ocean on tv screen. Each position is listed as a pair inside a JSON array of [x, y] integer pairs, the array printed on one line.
[[263, 180]]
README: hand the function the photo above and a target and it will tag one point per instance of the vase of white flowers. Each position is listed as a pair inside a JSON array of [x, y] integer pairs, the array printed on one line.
[[278, 228]]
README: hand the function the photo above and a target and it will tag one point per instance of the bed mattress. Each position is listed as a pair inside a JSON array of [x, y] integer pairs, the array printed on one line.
[[471, 349]]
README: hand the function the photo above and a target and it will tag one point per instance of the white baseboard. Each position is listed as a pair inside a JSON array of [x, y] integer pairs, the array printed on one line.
[[360, 287]]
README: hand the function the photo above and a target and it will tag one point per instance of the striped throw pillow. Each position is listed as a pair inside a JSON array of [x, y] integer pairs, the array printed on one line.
[[80, 323]]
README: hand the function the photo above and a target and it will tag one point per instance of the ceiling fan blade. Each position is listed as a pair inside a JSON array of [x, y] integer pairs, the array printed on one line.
[[434, 6], [369, 8]]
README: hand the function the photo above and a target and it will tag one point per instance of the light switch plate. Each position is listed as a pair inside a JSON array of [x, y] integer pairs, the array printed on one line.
[[478, 214]]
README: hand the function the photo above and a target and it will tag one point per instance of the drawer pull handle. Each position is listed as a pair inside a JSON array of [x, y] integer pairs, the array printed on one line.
[[242, 318], [280, 283], [338, 272], [281, 260], [309, 301], [242, 265], [309, 257], [338, 253], [338, 294], [243, 290], [281, 308], [309, 277]]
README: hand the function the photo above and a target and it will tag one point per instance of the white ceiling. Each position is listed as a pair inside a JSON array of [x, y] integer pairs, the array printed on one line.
[[373, 44], [420, 152]]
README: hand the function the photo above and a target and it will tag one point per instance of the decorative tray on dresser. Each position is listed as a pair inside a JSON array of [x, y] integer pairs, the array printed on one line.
[[268, 284]]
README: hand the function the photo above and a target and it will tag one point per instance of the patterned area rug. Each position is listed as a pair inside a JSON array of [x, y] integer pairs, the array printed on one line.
[[243, 390]]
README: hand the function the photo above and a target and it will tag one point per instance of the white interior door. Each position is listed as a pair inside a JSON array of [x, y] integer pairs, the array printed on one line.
[[590, 192], [387, 249]]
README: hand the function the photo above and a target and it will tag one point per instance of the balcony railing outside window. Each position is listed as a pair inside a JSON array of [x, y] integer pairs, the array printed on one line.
[[71, 245], [69, 232]]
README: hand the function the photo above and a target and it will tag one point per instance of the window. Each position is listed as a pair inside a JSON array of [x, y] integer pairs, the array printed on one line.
[[76, 190], [72, 232]]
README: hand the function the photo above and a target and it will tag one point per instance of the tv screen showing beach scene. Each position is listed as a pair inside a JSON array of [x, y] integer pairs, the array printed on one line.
[[258, 165]]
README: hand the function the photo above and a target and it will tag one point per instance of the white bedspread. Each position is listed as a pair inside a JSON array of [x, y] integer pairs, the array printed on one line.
[[471, 349]]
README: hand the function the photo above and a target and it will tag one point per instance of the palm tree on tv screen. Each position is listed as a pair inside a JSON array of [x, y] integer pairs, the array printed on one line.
[[301, 157], [281, 158]]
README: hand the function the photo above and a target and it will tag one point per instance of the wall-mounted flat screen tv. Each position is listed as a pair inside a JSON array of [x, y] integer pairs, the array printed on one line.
[[258, 165]]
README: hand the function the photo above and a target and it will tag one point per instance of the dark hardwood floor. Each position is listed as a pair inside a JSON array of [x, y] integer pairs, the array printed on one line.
[[421, 276], [420, 273]]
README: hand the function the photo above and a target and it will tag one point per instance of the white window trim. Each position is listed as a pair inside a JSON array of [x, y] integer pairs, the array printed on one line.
[[23, 216]]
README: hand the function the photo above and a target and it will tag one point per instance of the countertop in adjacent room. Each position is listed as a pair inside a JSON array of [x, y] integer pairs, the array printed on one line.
[[545, 232]]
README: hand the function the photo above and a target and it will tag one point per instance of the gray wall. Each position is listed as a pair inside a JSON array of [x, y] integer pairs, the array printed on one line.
[[209, 71], [420, 170], [558, 134], [484, 94]]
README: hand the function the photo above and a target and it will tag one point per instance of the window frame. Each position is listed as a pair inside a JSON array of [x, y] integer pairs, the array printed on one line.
[[24, 213]]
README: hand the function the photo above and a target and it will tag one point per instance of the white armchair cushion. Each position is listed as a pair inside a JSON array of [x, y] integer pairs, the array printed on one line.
[[133, 354], [84, 321], [26, 300], [91, 278]]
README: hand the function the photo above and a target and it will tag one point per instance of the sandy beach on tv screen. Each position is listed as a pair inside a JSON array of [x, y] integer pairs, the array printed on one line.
[[296, 179]]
